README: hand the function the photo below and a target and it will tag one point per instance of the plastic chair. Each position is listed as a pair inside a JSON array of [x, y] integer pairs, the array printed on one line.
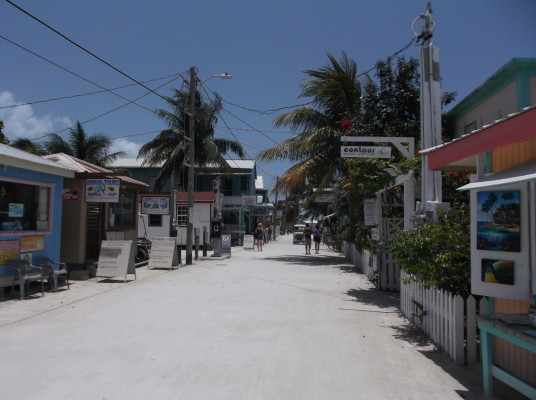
[[24, 272], [55, 273]]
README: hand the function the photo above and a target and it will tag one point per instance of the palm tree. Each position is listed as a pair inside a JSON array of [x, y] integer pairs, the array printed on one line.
[[29, 146], [93, 149], [336, 95], [169, 149]]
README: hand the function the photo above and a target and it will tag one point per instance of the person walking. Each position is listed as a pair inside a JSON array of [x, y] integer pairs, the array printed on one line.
[[307, 232], [317, 237], [258, 234]]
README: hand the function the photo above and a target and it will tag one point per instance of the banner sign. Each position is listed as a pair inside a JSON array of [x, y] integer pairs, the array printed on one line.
[[102, 190], [70, 194], [116, 258], [371, 212], [32, 243], [365, 152], [226, 244], [155, 205]]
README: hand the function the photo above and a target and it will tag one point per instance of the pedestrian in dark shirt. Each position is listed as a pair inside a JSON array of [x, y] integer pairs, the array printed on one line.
[[307, 232]]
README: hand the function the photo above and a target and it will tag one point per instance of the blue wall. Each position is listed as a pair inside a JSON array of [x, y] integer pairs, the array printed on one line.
[[52, 240]]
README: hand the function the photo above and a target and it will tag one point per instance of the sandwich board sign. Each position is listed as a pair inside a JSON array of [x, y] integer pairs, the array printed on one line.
[[116, 258], [163, 253], [248, 242]]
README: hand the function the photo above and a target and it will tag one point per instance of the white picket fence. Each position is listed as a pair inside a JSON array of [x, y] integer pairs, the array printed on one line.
[[449, 321]]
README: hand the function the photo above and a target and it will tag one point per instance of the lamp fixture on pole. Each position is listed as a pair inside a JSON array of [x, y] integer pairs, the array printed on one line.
[[191, 158]]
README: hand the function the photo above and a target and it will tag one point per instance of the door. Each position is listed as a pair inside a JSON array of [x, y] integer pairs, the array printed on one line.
[[94, 231]]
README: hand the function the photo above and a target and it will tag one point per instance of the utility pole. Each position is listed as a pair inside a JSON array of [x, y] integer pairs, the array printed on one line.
[[431, 191], [191, 161]]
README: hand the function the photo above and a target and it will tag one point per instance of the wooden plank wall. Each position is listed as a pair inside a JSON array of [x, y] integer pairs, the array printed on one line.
[[512, 358]]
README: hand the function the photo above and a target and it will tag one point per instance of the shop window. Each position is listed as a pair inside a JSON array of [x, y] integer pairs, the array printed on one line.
[[182, 214], [24, 206], [228, 186], [121, 214], [244, 183], [155, 220]]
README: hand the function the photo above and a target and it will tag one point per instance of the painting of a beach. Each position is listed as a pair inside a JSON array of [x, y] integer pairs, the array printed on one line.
[[498, 220]]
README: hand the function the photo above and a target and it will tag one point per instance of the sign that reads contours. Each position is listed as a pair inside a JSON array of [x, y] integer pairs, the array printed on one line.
[[102, 190], [365, 152]]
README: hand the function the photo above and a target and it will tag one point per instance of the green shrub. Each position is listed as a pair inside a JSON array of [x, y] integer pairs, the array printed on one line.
[[438, 254]]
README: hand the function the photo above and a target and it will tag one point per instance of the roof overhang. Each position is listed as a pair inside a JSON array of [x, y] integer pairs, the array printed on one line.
[[520, 173], [461, 153]]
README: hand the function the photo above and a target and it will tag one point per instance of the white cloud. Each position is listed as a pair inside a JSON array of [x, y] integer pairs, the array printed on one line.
[[21, 122], [130, 148]]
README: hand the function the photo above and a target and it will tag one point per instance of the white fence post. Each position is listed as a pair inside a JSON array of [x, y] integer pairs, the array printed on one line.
[[471, 330]]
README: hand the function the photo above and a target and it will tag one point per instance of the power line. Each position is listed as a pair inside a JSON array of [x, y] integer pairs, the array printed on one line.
[[106, 113], [71, 72], [84, 94], [266, 112], [232, 133], [85, 50]]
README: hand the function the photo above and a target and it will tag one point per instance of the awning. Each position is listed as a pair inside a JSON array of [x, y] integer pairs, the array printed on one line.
[[520, 173]]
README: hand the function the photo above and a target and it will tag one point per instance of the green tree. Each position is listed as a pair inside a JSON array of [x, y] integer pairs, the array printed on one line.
[[315, 147], [93, 149], [169, 149]]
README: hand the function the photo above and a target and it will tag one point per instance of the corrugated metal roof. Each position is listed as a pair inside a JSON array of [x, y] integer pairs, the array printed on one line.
[[82, 166], [11, 156]]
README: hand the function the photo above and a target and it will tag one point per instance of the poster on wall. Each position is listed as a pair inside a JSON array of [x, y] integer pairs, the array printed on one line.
[[498, 271], [9, 250], [32, 243], [102, 190], [498, 220], [500, 247], [155, 205]]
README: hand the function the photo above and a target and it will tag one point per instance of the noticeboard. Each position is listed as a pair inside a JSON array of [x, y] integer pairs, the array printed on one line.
[[163, 253], [116, 258]]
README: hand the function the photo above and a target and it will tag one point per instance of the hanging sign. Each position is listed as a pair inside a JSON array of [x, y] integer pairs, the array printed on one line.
[[102, 190], [365, 152], [249, 200], [155, 205]]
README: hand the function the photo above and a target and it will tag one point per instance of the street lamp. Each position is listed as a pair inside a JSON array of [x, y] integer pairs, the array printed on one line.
[[191, 158]]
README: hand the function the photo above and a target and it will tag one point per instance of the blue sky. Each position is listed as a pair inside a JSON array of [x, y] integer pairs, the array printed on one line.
[[265, 45]]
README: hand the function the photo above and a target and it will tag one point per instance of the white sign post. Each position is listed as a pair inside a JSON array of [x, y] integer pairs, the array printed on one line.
[[163, 253], [116, 258]]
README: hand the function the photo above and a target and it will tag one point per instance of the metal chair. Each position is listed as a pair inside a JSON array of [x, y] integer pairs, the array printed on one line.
[[24, 272], [55, 273]]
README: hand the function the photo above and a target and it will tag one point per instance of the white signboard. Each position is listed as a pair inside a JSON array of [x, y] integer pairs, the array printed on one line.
[[116, 258], [324, 198], [155, 205], [375, 234], [371, 212], [249, 200], [365, 152], [102, 190], [248, 242], [163, 253]]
